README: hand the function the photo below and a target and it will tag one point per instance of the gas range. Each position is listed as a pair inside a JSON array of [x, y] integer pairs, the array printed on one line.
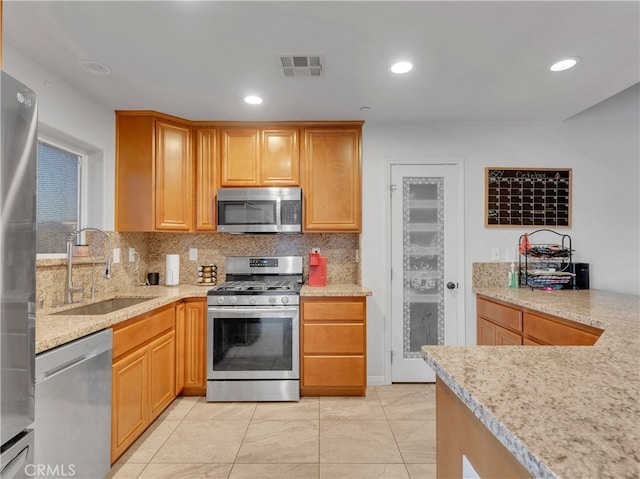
[[253, 330], [251, 281]]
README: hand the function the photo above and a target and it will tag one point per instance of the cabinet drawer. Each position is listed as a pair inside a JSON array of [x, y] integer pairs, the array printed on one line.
[[559, 333], [499, 314], [340, 338], [334, 371], [333, 310], [140, 330]]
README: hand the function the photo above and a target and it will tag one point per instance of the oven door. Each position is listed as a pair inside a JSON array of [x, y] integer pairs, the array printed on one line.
[[253, 343]]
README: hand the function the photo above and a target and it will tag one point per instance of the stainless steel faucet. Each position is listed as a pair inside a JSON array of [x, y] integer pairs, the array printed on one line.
[[69, 287]]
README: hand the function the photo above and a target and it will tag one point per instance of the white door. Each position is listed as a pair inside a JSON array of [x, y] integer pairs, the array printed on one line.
[[426, 259]]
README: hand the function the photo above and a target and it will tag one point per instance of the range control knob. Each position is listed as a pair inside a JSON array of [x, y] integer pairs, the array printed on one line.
[[233, 300], [253, 300], [285, 299], [220, 299], [272, 299]]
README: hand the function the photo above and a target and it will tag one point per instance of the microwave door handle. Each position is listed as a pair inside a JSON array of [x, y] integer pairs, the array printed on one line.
[[278, 214]]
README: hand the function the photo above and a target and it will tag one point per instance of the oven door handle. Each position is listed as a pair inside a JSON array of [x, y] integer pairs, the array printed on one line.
[[253, 311]]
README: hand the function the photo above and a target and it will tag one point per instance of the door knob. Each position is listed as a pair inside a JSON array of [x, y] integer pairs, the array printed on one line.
[[451, 285]]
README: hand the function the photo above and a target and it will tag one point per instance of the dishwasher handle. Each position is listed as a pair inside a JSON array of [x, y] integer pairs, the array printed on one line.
[[58, 360]]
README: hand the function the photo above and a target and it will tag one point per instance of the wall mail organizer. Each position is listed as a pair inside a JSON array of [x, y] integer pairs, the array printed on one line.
[[527, 197]]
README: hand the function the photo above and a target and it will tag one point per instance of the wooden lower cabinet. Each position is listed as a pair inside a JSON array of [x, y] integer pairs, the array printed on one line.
[[143, 375], [497, 324], [459, 432], [333, 346], [195, 352], [490, 334], [130, 410], [556, 331], [180, 347], [162, 364], [506, 325]]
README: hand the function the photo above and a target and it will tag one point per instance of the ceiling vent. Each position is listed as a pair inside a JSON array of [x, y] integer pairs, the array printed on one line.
[[301, 66]]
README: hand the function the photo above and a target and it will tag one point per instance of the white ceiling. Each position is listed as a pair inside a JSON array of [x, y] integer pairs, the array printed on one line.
[[473, 60]]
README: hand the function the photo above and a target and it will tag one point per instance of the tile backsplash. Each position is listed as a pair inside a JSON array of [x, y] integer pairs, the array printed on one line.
[[152, 248]]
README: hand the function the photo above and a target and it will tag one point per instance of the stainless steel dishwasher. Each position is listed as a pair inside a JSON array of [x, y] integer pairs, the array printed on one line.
[[73, 409]]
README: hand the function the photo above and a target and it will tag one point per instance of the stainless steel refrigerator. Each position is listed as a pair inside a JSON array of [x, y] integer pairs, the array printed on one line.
[[18, 138]]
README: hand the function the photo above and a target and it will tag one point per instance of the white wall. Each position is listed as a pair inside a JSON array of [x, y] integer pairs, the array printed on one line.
[[75, 119], [596, 144]]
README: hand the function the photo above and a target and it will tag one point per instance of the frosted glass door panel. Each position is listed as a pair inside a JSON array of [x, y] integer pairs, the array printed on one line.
[[423, 235]]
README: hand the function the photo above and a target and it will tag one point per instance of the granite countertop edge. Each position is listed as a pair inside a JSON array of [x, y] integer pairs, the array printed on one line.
[[499, 430]]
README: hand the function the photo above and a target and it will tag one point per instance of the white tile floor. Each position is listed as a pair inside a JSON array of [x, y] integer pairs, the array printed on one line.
[[389, 434]]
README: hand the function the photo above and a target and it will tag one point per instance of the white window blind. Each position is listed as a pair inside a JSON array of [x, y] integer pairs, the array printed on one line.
[[57, 197]]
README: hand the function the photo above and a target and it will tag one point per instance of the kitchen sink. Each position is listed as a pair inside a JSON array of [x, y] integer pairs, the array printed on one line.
[[107, 306]]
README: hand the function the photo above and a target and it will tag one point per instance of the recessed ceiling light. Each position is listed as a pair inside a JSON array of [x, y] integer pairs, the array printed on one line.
[[564, 64], [253, 100], [94, 67], [401, 67]]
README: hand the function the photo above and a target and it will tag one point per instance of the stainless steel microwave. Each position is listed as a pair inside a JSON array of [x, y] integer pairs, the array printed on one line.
[[260, 210]]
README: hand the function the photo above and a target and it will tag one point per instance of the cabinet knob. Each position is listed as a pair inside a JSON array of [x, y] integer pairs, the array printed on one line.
[[452, 285]]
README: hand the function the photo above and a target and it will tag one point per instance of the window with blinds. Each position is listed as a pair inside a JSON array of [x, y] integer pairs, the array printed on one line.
[[57, 197]]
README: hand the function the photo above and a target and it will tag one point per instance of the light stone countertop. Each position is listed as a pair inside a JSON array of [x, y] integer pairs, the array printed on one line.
[[562, 411], [335, 290], [55, 330]]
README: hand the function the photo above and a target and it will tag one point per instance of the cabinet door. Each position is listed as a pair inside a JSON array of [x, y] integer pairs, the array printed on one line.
[[239, 157], [162, 366], [332, 179], [130, 410], [206, 157], [279, 157], [174, 181], [195, 344], [504, 337], [486, 333], [180, 358], [135, 146]]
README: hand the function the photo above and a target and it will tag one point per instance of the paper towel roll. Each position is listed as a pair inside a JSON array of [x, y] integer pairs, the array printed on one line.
[[172, 277]]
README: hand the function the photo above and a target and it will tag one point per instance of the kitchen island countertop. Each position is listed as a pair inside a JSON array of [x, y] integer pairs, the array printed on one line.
[[562, 411]]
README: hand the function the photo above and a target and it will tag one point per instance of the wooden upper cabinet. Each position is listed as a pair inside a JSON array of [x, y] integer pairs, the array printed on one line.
[[331, 181], [239, 157], [206, 158], [259, 157], [280, 157], [174, 177], [154, 173]]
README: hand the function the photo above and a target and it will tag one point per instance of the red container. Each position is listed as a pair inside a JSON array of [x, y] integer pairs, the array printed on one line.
[[314, 259], [318, 272]]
